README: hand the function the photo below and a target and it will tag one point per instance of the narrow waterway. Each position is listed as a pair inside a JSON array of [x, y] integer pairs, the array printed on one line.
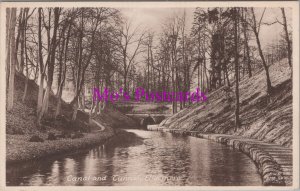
[[152, 158]]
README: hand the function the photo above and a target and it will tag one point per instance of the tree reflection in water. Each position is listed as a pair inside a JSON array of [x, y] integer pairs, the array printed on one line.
[[142, 158]]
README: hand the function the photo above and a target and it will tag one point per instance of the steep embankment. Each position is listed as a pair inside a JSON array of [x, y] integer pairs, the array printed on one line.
[[25, 140], [262, 118], [111, 117]]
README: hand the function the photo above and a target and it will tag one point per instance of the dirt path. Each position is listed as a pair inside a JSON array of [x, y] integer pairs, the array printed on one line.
[[102, 128]]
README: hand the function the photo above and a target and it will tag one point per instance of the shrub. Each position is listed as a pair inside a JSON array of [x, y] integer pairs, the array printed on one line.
[[51, 136], [77, 135], [36, 138]]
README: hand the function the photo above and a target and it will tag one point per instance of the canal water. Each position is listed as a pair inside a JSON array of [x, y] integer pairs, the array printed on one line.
[[150, 158]]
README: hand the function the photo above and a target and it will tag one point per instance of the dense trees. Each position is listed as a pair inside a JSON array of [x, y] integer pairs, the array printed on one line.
[[128, 37], [98, 47]]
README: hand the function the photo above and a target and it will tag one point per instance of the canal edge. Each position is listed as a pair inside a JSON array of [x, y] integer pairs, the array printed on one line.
[[270, 171], [67, 146]]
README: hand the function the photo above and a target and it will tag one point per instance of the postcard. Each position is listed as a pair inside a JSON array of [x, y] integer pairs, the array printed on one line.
[[149, 95]]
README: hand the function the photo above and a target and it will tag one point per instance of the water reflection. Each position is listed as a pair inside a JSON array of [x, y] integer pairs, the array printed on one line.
[[150, 158]]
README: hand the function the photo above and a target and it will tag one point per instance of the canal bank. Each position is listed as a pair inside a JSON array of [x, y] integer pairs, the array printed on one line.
[[147, 158], [64, 139], [19, 149], [274, 162]]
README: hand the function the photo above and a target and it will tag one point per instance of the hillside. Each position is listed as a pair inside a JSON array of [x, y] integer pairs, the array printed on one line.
[[25, 140], [22, 118], [261, 118], [112, 117]]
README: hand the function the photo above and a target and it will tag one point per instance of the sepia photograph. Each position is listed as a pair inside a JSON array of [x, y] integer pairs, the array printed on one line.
[[149, 95]]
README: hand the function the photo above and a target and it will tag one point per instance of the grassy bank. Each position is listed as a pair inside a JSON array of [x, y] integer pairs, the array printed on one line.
[[262, 117]]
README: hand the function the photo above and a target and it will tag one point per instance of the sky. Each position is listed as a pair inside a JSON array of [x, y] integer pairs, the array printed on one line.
[[153, 18]]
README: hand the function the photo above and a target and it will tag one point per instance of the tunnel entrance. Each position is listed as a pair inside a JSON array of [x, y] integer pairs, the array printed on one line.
[[147, 121]]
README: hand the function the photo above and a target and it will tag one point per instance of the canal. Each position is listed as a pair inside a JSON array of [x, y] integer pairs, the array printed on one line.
[[150, 158]]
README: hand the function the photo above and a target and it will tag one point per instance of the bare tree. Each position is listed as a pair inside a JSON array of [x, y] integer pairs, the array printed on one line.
[[172, 35], [82, 61], [149, 44], [24, 55], [129, 42], [63, 66], [246, 43], [256, 29], [50, 64], [41, 63]]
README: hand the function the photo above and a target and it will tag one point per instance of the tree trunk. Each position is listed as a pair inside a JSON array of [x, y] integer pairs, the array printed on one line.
[[125, 82], [26, 85], [45, 105], [60, 89], [41, 63], [62, 83], [236, 61], [248, 54], [8, 42], [59, 78], [75, 109], [24, 51], [247, 48], [174, 84], [226, 75], [11, 85], [20, 21], [269, 85], [289, 50]]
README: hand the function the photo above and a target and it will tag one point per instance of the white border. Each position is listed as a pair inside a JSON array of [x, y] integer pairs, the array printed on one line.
[[295, 19]]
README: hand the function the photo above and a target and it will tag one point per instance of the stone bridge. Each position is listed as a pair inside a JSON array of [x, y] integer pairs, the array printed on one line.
[[148, 119], [146, 113]]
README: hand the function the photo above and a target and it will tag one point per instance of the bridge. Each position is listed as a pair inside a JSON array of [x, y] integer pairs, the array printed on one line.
[[146, 113]]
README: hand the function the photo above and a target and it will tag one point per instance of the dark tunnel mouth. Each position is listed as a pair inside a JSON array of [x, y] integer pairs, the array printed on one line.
[[148, 121]]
